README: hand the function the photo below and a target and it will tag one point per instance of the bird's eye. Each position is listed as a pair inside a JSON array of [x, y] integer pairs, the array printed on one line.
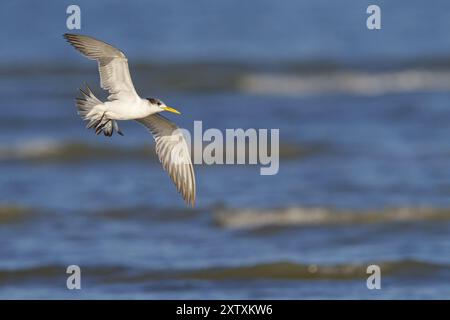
[[158, 103]]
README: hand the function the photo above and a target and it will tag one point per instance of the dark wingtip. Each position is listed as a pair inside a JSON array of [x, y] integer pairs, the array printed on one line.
[[70, 37], [67, 36]]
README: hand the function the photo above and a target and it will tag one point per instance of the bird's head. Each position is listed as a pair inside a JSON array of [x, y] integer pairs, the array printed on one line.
[[161, 105]]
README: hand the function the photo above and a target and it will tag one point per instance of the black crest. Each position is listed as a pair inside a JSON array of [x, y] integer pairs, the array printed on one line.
[[154, 101]]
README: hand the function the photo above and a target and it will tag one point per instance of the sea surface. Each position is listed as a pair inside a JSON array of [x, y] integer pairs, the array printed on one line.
[[364, 176]]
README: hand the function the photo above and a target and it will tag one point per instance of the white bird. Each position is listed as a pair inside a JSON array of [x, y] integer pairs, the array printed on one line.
[[123, 103]]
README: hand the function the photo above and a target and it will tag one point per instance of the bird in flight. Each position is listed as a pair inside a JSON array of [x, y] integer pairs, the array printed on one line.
[[123, 103]]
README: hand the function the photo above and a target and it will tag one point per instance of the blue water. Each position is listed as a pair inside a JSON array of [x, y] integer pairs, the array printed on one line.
[[364, 168]]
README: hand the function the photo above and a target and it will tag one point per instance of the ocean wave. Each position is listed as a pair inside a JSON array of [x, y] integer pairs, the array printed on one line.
[[70, 151], [48, 150], [299, 216], [13, 213], [147, 213], [277, 270], [296, 271], [292, 78], [346, 82], [52, 271]]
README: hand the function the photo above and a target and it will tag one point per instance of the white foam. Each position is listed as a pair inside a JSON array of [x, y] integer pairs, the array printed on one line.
[[360, 83], [257, 218]]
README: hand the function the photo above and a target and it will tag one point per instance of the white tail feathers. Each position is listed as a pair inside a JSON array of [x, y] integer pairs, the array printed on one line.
[[92, 109]]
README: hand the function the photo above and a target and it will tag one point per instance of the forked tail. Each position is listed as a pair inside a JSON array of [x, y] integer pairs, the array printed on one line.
[[92, 109]]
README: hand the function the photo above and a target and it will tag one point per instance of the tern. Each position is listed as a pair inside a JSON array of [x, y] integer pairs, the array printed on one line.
[[123, 103]]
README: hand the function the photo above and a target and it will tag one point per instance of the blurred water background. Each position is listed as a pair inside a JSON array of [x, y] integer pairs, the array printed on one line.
[[365, 153]]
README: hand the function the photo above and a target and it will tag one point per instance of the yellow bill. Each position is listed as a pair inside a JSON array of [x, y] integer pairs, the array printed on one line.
[[171, 110]]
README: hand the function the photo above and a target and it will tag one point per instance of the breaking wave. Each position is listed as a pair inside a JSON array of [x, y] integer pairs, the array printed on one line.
[[48, 150], [296, 271], [294, 78], [62, 151], [299, 216], [346, 82], [278, 270]]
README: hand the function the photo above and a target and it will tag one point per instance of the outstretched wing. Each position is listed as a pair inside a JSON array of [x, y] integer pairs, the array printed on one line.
[[173, 152], [112, 65]]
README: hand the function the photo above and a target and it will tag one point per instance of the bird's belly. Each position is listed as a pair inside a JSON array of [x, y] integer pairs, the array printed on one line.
[[122, 110]]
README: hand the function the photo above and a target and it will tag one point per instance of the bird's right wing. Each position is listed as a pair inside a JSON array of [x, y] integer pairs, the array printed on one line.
[[173, 152], [112, 65]]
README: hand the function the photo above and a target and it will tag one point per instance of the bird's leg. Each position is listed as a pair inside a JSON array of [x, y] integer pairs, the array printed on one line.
[[101, 125], [116, 127], [103, 115]]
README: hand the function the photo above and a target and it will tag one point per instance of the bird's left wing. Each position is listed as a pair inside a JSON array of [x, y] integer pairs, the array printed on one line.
[[112, 64], [173, 152]]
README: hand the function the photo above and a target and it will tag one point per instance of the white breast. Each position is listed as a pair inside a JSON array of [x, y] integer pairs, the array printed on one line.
[[128, 110]]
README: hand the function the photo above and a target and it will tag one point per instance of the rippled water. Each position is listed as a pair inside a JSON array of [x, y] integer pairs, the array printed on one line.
[[364, 161]]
